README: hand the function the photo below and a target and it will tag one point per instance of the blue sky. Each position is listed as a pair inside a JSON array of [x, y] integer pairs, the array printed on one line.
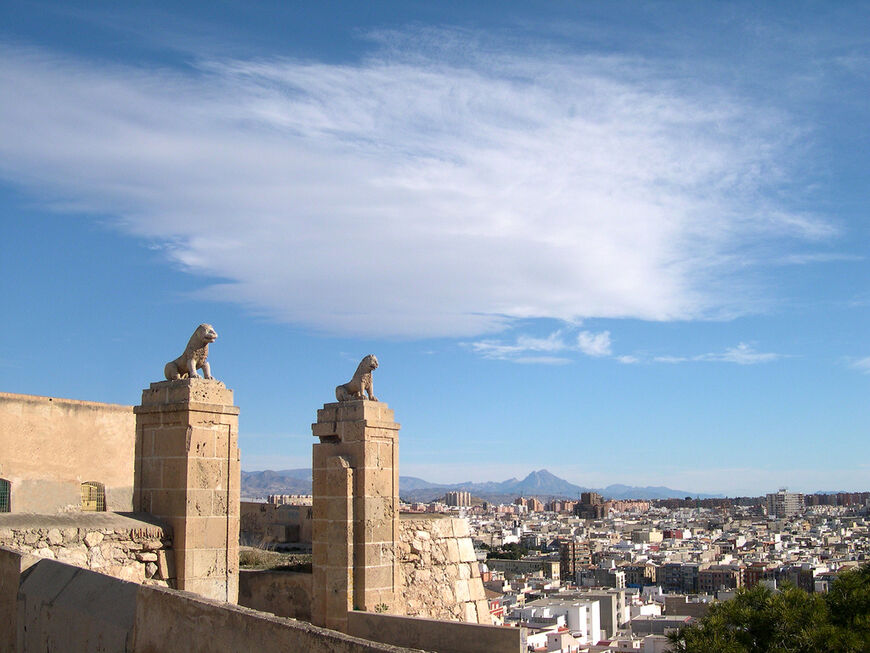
[[626, 242]]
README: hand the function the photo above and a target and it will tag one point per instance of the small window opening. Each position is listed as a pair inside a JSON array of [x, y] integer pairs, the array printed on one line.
[[5, 495], [93, 497]]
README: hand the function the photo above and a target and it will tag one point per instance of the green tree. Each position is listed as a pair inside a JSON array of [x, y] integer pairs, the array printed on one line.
[[512, 551], [849, 607], [759, 620]]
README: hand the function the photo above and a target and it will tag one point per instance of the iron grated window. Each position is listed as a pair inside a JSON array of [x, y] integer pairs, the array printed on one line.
[[93, 497], [5, 495]]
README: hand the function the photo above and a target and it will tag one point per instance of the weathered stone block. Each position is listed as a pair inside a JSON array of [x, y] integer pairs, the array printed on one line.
[[483, 614], [93, 538], [170, 441], [466, 550], [201, 442], [54, 537], [207, 473], [475, 590], [452, 551], [168, 503], [460, 589], [173, 473]]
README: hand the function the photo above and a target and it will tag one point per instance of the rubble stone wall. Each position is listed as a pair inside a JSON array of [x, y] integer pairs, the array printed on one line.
[[109, 544], [440, 575]]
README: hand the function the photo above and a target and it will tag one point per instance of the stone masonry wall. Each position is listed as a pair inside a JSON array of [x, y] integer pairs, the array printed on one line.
[[439, 572], [107, 543], [50, 446]]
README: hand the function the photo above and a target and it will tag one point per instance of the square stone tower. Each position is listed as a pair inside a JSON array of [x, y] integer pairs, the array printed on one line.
[[356, 510], [188, 474]]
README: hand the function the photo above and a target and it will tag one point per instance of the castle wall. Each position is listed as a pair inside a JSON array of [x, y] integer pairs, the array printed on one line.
[[51, 446], [64, 608], [263, 524], [283, 593]]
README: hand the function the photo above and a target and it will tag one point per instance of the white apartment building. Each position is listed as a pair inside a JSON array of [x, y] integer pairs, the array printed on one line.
[[581, 617]]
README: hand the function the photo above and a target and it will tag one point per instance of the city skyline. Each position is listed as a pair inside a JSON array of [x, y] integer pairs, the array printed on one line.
[[624, 243]]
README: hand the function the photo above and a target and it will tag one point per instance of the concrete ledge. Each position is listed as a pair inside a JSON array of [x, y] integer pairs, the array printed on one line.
[[434, 635], [168, 620], [64, 608], [135, 522]]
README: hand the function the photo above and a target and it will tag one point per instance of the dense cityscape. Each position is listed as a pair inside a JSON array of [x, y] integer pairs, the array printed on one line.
[[596, 575]]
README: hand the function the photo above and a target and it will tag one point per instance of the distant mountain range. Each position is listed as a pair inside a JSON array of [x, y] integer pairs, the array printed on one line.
[[540, 484]]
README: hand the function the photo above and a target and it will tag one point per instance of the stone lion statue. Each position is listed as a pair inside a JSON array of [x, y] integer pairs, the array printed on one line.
[[195, 356], [360, 383]]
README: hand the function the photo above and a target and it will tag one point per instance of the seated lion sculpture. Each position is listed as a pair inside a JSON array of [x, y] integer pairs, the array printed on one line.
[[361, 381], [195, 356]]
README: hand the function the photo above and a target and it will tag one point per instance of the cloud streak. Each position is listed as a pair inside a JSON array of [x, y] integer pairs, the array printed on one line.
[[429, 190], [862, 365], [742, 354], [533, 350]]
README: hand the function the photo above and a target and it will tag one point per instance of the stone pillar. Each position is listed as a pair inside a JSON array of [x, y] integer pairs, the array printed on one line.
[[188, 474], [356, 510]]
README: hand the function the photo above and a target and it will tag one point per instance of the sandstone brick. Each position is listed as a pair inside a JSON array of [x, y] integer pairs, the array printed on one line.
[[207, 563], [170, 441], [165, 566], [168, 503], [466, 550], [199, 502], [475, 589], [483, 614], [173, 473], [452, 551]]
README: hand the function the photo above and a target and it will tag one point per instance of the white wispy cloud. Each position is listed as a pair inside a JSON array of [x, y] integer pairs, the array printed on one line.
[[528, 349], [862, 364], [594, 344], [742, 354], [428, 190]]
